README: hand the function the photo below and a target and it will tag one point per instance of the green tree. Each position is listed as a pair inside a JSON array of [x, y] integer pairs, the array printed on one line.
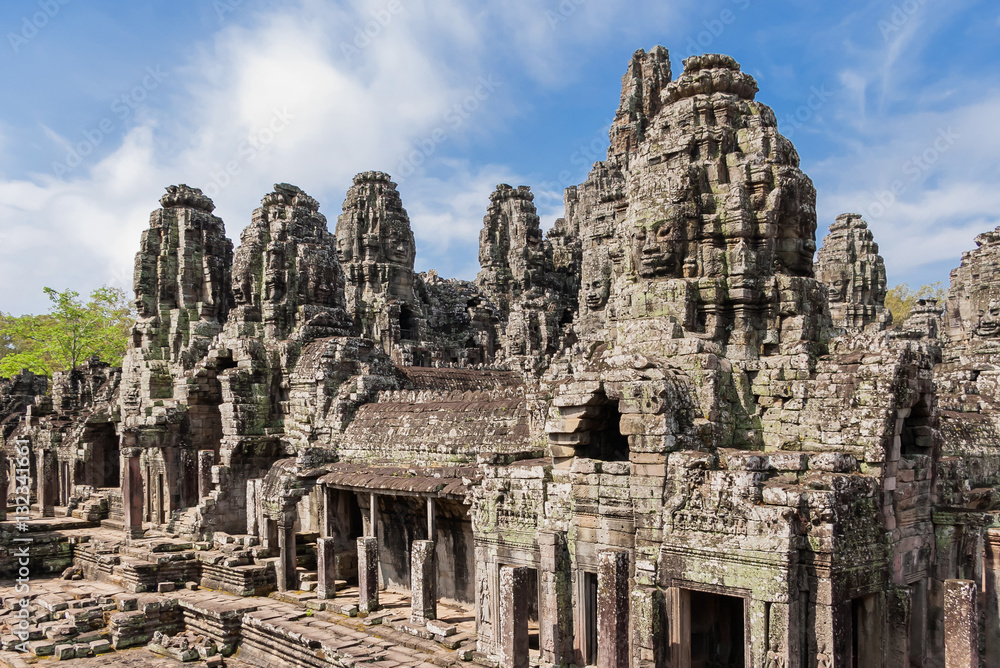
[[900, 299], [72, 331]]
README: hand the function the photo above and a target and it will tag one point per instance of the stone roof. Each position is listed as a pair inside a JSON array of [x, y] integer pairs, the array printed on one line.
[[447, 482]]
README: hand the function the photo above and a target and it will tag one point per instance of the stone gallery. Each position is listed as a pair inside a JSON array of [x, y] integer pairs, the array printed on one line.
[[660, 434]]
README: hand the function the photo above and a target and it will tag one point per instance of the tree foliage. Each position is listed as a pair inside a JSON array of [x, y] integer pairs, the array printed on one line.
[[900, 299], [71, 332]]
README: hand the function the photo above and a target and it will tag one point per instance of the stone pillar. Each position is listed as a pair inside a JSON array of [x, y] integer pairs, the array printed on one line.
[[431, 519], [373, 514], [556, 594], [991, 595], [897, 617], [961, 624], [513, 617], [649, 627], [253, 512], [423, 582], [132, 492], [48, 489], [326, 568], [612, 609], [206, 459], [286, 557], [328, 523], [783, 634], [679, 626], [4, 486], [368, 574]]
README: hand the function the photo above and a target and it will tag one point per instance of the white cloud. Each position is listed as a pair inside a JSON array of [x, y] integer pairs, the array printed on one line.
[[944, 168], [312, 118], [309, 94], [447, 212]]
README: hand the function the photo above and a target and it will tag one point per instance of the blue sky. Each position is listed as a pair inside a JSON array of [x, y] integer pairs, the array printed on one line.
[[893, 107]]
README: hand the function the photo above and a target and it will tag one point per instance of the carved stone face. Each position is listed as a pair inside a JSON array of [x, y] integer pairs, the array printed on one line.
[[657, 249], [344, 251], [397, 246], [597, 284], [989, 321], [796, 255], [838, 288]]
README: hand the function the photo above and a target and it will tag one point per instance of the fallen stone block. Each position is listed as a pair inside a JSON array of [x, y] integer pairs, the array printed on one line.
[[64, 652]]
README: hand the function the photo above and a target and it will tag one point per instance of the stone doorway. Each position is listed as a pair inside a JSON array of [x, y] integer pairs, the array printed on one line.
[[718, 632], [531, 589], [105, 457], [866, 636], [588, 644]]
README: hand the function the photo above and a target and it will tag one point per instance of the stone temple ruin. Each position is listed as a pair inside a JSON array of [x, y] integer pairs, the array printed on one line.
[[661, 434]]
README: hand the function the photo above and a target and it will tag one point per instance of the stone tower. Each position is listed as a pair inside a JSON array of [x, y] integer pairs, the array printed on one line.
[[286, 273], [376, 249], [854, 273]]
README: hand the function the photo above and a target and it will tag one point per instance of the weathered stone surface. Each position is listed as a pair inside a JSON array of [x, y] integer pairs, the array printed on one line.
[[285, 273], [513, 617], [367, 574], [961, 624], [854, 273], [520, 276]]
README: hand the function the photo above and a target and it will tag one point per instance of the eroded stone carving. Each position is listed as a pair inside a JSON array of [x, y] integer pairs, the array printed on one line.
[[854, 273]]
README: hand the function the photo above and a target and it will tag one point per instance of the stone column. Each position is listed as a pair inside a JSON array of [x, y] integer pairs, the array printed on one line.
[[991, 595], [961, 624], [649, 628], [423, 582], [132, 492], [513, 617], [431, 519], [326, 568], [286, 557], [679, 626], [556, 594], [47, 482], [206, 459], [612, 609], [368, 574], [253, 512], [328, 523], [373, 514], [4, 485]]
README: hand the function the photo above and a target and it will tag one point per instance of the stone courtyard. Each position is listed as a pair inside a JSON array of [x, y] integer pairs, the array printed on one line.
[[667, 432]]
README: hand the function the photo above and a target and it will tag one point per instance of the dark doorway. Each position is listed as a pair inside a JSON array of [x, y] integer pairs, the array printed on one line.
[[717, 631], [105, 463], [533, 617], [406, 323], [916, 435], [865, 635], [607, 443], [590, 618]]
